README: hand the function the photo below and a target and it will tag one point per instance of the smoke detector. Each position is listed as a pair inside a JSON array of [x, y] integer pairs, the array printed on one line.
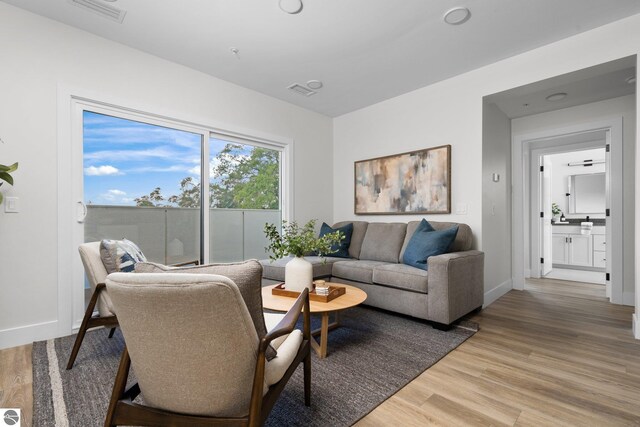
[[101, 8], [301, 90], [457, 16]]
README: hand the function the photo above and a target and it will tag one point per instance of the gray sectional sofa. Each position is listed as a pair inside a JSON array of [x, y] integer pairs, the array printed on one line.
[[452, 286]]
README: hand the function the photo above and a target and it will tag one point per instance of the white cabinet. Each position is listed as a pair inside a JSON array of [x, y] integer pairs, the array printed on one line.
[[599, 251], [560, 248], [570, 247], [580, 250]]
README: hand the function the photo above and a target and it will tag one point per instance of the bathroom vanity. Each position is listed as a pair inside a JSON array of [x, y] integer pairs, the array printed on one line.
[[571, 249]]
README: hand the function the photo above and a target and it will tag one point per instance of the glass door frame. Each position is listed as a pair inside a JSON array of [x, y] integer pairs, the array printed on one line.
[[71, 208]]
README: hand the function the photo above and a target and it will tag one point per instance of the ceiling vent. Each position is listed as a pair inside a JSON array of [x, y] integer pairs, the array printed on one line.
[[302, 90], [101, 8]]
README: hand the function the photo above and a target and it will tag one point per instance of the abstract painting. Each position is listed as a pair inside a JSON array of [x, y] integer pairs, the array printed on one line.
[[418, 182]]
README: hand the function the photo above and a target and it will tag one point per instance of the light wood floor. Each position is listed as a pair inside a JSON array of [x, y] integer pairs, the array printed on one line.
[[554, 354]]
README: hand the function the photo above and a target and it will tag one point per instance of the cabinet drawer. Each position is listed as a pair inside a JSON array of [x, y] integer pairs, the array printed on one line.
[[599, 243], [599, 259]]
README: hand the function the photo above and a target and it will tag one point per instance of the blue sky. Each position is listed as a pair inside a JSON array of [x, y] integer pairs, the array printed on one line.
[[124, 159]]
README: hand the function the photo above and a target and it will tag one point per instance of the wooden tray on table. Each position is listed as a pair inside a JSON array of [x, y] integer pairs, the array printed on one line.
[[334, 292]]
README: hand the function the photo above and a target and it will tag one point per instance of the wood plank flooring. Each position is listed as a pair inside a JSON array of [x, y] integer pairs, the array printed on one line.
[[552, 355], [555, 354], [15, 381]]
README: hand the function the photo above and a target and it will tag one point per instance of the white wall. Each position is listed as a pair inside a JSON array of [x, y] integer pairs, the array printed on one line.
[[561, 171], [450, 112], [626, 107], [496, 200], [36, 55]]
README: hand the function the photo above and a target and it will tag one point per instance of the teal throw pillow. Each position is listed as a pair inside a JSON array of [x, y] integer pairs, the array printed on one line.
[[342, 248], [427, 242]]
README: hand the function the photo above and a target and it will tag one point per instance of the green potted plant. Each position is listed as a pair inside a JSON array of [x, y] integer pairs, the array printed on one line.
[[5, 175], [299, 242], [555, 210]]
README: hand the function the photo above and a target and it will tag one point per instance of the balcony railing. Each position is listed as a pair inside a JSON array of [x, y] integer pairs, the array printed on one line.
[[172, 235]]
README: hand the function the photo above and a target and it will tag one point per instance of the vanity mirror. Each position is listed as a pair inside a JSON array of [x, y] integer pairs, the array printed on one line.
[[587, 193]]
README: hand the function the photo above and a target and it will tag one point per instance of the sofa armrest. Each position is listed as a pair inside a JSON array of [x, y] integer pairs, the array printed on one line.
[[456, 285]]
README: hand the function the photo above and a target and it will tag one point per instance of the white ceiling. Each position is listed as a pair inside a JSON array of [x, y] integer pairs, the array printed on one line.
[[604, 81], [364, 51]]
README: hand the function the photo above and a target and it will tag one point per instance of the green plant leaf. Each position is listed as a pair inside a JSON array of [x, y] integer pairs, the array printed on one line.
[[6, 177], [9, 169]]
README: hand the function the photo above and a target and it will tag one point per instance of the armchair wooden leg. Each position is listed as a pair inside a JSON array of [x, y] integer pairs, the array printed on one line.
[[118, 387], [307, 379], [111, 332], [83, 328], [307, 359]]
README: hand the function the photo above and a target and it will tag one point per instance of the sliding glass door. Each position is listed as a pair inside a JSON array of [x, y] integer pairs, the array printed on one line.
[[141, 182], [244, 194]]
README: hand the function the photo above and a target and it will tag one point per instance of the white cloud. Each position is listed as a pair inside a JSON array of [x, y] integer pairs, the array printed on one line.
[[195, 170], [115, 195], [102, 170]]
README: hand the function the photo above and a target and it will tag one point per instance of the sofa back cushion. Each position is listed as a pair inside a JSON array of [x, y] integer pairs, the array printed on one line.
[[463, 241], [357, 236], [383, 241]]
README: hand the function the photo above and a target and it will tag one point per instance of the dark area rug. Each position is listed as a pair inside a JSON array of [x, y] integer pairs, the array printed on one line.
[[371, 356]]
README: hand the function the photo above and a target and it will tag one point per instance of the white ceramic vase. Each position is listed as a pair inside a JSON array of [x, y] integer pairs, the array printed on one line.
[[298, 275]]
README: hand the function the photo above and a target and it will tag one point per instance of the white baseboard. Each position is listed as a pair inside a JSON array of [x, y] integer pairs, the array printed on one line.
[[27, 334], [629, 298], [636, 326], [497, 292]]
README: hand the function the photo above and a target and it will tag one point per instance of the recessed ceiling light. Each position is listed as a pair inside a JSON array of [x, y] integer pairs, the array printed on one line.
[[291, 6], [631, 80], [457, 16], [314, 84], [556, 96]]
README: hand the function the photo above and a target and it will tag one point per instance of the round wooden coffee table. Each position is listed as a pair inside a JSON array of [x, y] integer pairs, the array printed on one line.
[[351, 298]]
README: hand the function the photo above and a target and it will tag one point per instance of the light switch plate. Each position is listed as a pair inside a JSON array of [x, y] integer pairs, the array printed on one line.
[[461, 209], [11, 205]]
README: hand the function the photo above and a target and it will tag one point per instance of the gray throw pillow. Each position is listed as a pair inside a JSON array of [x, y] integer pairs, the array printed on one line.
[[120, 255], [247, 275]]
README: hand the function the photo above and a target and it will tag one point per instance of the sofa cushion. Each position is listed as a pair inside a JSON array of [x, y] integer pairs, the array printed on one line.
[[274, 270], [426, 243], [383, 241], [401, 276], [340, 250], [359, 231], [463, 241], [358, 271]]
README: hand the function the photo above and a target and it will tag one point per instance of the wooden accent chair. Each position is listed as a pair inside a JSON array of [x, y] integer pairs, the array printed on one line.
[[96, 274], [196, 354]]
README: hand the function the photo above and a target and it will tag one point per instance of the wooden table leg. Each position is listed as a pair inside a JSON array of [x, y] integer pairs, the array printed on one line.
[[321, 348]]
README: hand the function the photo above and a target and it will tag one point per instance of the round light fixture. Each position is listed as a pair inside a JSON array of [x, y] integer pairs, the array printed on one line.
[[631, 80], [457, 16], [556, 96], [291, 6], [314, 84]]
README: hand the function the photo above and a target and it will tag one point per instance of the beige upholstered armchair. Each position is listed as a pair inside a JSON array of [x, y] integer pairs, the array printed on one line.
[[196, 354], [96, 275]]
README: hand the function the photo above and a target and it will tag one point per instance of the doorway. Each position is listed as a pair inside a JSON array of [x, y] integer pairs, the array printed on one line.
[[574, 248], [572, 202]]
